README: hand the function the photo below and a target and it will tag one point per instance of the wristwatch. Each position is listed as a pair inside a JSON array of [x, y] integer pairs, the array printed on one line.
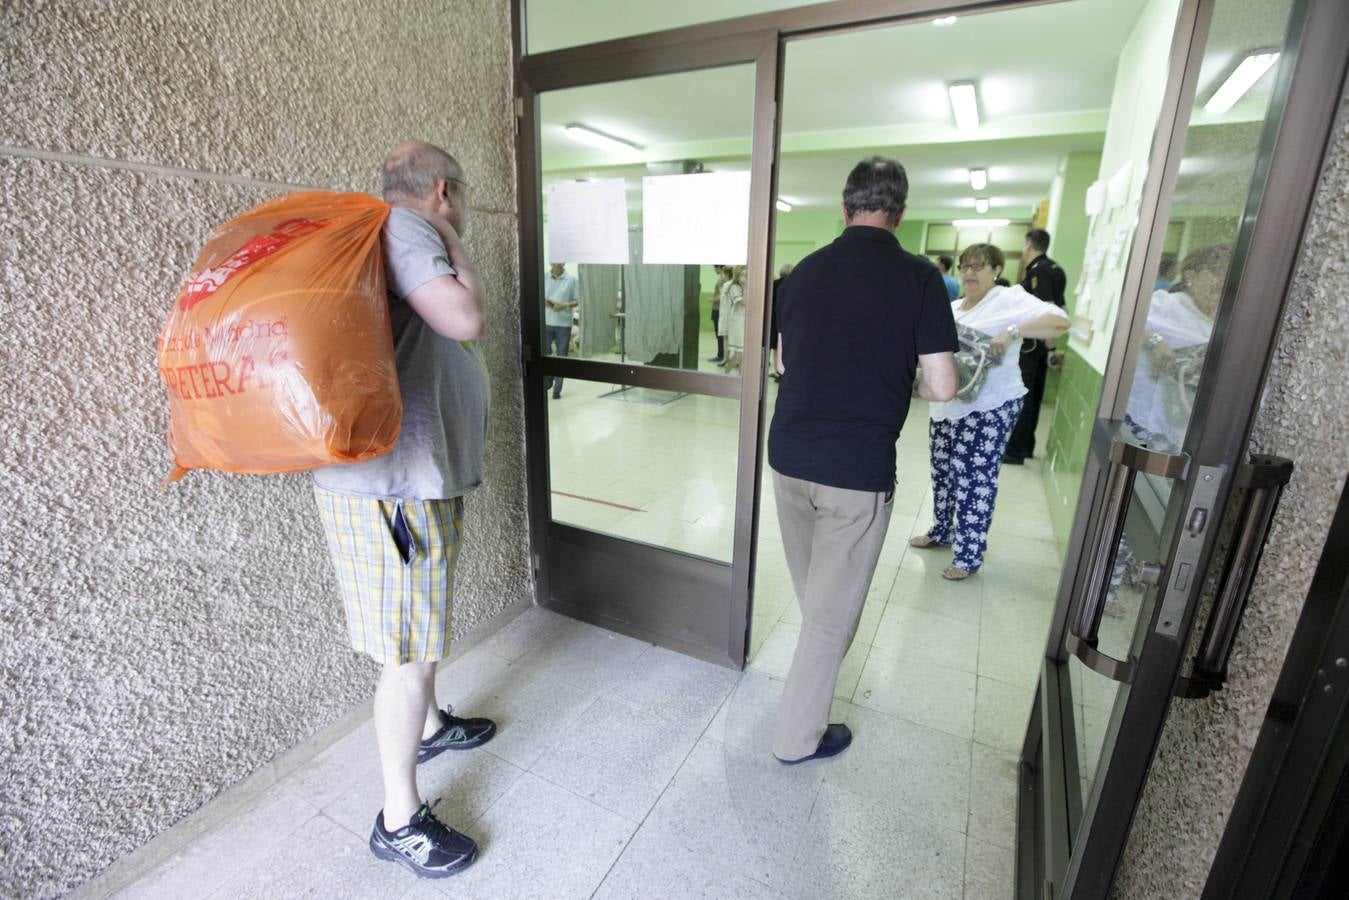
[[1014, 332]]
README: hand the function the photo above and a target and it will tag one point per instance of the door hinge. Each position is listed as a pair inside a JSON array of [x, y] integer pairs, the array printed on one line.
[[519, 107]]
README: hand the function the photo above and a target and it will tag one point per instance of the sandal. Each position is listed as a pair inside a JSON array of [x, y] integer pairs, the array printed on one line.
[[923, 541], [955, 573]]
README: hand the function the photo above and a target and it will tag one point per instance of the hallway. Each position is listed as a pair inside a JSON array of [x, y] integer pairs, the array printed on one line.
[[627, 770]]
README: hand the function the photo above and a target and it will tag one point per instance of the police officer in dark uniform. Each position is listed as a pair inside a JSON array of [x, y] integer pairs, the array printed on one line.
[[1045, 279]]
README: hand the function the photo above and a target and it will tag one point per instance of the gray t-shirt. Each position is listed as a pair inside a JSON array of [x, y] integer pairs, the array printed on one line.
[[439, 451]]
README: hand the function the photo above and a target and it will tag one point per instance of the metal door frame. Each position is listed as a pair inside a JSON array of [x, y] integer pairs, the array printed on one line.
[[1297, 132], [694, 587]]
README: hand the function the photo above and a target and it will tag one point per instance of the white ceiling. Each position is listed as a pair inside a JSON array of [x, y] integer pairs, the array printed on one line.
[[1045, 77]]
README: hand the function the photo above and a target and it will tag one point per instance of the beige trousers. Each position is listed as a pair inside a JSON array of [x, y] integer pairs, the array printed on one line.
[[833, 538]]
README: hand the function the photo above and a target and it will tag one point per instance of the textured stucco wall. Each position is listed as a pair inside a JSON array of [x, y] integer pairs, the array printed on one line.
[[1305, 416], [159, 645]]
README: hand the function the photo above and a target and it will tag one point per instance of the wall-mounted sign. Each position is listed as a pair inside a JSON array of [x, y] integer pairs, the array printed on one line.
[[696, 219], [588, 222]]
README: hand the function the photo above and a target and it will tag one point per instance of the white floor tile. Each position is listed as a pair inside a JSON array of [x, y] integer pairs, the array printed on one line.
[[217, 856], [530, 713], [525, 632], [584, 656], [859, 848], [990, 872], [1001, 714], [461, 784], [993, 794], [914, 635], [739, 807], [539, 841], [923, 692], [467, 675], [960, 600], [322, 859], [923, 772], [618, 757], [675, 687], [653, 867], [332, 772]]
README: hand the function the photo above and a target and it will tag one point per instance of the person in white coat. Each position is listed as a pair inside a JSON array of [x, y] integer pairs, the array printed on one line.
[[969, 434]]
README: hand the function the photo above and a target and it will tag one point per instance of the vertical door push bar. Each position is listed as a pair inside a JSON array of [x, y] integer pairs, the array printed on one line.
[[1263, 480], [1127, 460]]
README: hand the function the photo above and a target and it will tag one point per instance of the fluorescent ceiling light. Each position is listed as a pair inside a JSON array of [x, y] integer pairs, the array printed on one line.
[[783, 205], [981, 205], [944, 21], [978, 179], [981, 223], [964, 104], [587, 135], [1242, 79]]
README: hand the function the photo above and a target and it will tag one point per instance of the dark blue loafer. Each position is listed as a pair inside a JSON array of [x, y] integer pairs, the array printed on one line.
[[836, 739]]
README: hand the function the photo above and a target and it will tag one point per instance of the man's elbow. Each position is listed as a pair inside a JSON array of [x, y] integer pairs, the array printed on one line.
[[464, 326]]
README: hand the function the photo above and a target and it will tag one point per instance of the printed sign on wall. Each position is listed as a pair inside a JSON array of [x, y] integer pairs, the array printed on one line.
[[696, 219], [588, 222]]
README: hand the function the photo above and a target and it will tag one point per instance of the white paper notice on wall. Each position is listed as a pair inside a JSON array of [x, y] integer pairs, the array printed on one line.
[[696, 219], [1118, 189], [1096, 198], [588, 222]]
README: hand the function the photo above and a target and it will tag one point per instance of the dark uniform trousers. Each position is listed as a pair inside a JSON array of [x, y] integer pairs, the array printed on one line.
[[1034, 369], [1046, 280]]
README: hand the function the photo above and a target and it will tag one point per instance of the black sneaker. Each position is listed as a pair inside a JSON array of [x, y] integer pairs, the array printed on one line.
[[426, 845], [455, 734]]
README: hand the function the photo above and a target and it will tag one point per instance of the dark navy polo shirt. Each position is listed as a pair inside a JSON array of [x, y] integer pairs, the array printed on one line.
[[854, 317]]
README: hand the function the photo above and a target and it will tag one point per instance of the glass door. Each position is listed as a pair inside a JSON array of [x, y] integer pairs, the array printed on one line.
[[1180, 391], [646, 203]]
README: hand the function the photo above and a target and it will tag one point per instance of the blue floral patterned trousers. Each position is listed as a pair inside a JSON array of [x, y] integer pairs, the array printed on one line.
[[966, 457]]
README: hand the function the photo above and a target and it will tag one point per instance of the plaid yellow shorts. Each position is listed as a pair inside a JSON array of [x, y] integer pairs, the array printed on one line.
[[395, 567]]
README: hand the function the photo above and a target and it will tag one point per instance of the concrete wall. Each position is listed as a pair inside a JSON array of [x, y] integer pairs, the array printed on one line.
[[159, 645], [1305, 416]]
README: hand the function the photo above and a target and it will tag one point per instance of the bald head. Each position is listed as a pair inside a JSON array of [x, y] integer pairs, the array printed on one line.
[[413, 169]]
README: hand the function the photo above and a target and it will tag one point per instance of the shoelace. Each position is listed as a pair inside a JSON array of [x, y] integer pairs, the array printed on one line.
[[435, 828]]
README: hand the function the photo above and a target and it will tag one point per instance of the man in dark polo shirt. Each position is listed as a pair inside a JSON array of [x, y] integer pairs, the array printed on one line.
[[857, 318]]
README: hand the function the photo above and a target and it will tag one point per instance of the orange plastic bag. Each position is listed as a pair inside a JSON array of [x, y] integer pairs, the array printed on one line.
[[277, 354]]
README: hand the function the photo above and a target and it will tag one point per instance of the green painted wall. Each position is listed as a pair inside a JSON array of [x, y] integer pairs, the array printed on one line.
[[1078, 392], [1068, 243]]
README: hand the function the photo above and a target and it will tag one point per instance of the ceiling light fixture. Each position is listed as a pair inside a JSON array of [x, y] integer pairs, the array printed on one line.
[[1242, 79], [587, 135], [978, 179], [783, 205], [944, 21], [981, 205], [964, 104], [982, 223]]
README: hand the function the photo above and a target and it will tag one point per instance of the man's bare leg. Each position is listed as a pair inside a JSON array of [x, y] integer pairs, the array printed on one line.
[[402, 699]]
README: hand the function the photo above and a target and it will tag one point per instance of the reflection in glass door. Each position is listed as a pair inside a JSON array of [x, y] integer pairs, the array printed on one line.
[[645, 287], [1179, 392]]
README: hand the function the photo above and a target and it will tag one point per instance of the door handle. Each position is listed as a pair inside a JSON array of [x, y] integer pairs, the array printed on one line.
[[1127, 460], [1263, 480]]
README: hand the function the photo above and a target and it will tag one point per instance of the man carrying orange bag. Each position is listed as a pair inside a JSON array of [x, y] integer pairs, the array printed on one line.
[[394, 522]]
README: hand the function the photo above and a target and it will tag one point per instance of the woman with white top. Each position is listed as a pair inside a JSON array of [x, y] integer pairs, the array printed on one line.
[[733, 316], [969, 434], [1179, 325]]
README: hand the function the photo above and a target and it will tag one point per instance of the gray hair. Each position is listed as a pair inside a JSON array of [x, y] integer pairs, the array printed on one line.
[[412, 169], [877, 184]]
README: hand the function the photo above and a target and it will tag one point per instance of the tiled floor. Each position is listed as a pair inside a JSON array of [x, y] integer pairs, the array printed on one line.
[[622, 770]]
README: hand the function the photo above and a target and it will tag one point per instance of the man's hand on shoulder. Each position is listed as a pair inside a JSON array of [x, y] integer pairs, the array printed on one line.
[[451, 304]]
